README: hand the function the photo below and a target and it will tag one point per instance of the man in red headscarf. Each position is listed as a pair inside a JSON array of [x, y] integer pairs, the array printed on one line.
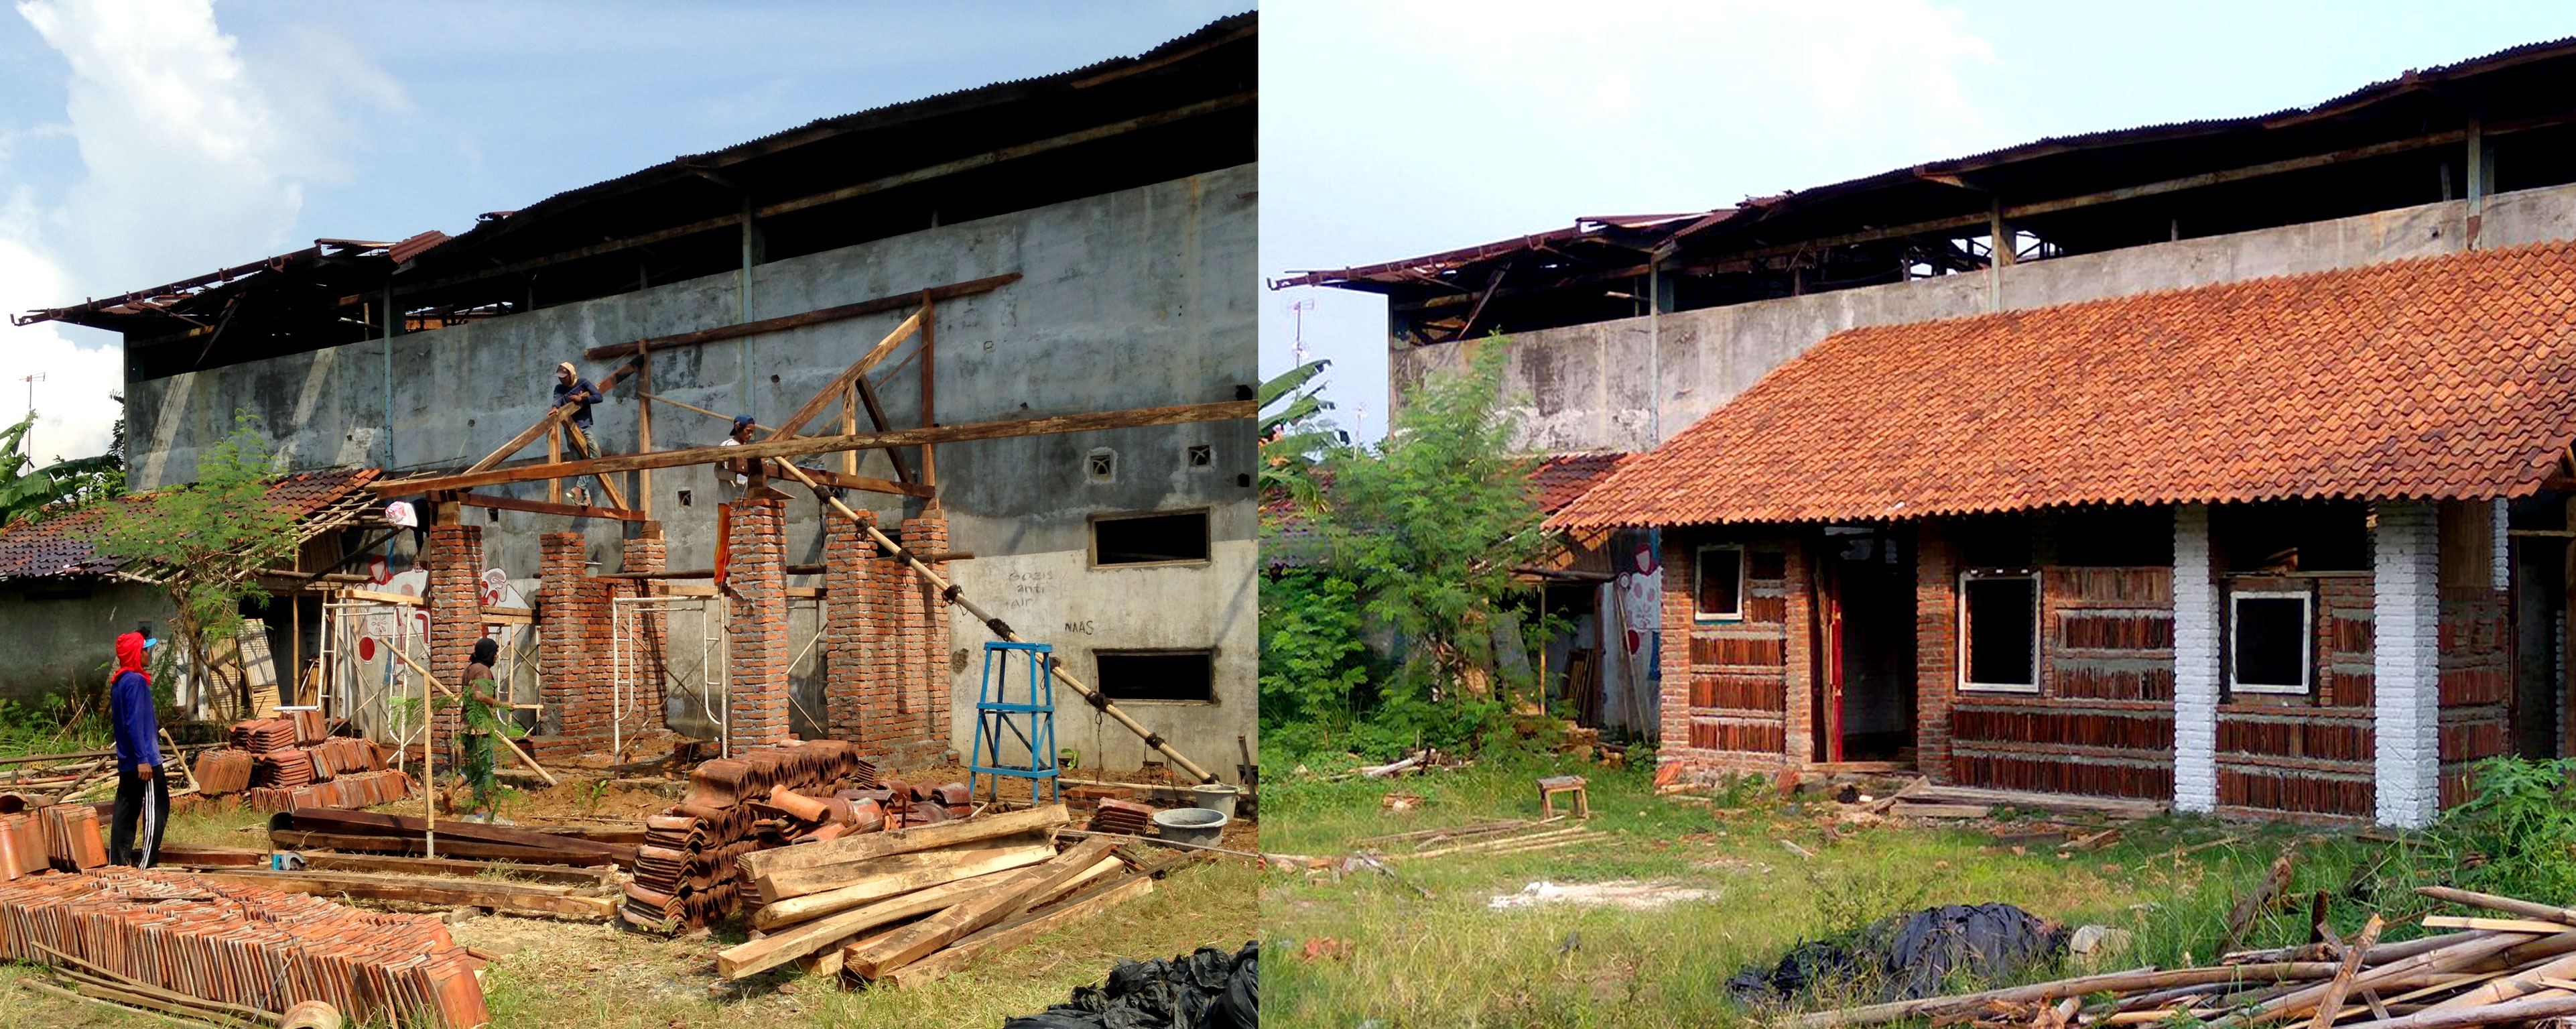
[[142, 795]]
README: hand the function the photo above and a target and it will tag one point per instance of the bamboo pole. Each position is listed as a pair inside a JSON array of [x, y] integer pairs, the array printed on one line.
[[1000, 628], [429, 680], [2332, 1005], [2492, 902], [1872, 1014]]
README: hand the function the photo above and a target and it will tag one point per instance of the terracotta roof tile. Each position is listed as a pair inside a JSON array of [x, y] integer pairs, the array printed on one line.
[[2447, 377], [59, 546], [1564, 478]]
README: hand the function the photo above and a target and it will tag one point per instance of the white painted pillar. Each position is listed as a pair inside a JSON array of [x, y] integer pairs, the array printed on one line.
[[2196, 669], [2406, 667]]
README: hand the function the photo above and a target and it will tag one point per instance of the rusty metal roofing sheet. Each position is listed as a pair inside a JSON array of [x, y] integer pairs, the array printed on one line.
[[2449, 377]]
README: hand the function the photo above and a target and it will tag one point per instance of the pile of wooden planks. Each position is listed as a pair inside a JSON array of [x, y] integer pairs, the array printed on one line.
[[769, 797], [1509, 836], [2486, 971], [313, 828], [908, 906]]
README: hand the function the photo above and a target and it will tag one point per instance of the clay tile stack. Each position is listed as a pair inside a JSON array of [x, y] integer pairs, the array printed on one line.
[[261, 735], [22, 845], [685, 873], [353, 790], [246, 945], [223, 771], [310, 727], [72, 841], [1123, 816], [283, 769]]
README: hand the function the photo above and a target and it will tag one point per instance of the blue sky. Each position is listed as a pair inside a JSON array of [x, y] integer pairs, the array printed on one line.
[[1393, 130], [143, 141]]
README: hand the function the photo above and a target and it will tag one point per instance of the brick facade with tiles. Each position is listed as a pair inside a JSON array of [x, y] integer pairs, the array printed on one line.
[[572, 627]]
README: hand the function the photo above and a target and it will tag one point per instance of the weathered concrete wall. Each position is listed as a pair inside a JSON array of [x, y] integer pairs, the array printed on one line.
[[1138, 298], [1584, 387], [62, 633]]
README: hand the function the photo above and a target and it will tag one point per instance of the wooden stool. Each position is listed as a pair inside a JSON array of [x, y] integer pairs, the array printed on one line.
[[1550, 786]]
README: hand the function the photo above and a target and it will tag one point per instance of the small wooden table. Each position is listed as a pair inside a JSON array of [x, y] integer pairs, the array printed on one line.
[[1550, 786]]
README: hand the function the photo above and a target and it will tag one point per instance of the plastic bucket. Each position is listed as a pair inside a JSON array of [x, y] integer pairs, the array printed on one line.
[[1216, 796], [1191, 825]]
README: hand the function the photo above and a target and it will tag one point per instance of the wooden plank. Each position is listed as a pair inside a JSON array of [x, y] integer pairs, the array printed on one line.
[[804, 893], [370, 823], [541, 507], [802, 445], [545, 425], [382, 597], [834, 931], [1019, 932], [2332, 1006], [858, 369], [2501, 925], [327, 862], [916, 941], [513, 897], [900, 841], [819, 316], [307, 840], [871, 484]]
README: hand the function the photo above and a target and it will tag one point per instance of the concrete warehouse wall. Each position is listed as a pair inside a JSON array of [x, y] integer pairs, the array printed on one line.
[[63, 633], [1585, 387], [1139, 298]]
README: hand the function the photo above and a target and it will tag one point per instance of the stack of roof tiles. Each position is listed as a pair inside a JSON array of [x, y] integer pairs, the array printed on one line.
[[261, 735], [352, 790], [72, 839], [684, 873], [282, 769], [310, 726], [223, 771], [22, 845], [245, 945], [2438, 378], [1123, 816], [341, 755]]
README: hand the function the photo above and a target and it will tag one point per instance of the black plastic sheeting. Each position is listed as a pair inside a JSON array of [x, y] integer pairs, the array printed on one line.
[[1208, 989], [1907, 957]]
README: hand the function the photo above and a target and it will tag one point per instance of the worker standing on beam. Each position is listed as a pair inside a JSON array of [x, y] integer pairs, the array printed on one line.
[[142, 795], [571, 388]]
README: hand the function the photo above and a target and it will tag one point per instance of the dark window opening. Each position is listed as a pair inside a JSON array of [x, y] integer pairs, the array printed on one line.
[[1185, 675], [2126, 536], [2268, 642], [2304, 536], [2001, 630], [1150, 539], [1993, 541], [1718, 583]]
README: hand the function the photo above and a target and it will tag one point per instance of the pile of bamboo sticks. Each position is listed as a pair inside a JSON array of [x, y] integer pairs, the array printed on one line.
[[1506, 836], [2484, 971]]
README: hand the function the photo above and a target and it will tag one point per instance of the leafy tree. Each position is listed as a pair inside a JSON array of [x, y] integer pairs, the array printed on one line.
[[1294, 434], [1432, 523], [199, 543], [26, 491]]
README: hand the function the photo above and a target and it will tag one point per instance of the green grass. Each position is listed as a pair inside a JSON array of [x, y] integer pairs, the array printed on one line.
[[1398, 959]]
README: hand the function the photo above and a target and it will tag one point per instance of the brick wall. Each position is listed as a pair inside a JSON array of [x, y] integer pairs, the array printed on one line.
[[572, 626], [2475, 643], [913, 727], [454, 561], [648, 636], [1728, 701], [852, 627], [1936, 646], [756, 627], [2406, 676]]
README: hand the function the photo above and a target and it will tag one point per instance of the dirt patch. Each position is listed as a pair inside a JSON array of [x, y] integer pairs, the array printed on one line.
[[1626, 894]]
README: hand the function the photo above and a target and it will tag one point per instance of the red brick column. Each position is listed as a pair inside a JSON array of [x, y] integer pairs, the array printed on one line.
[[1936, 639], [851, 629], [454, 561], [922, 698], [1675, 687], [571, 623], [756, 688], [1798, 657], [647, 636]]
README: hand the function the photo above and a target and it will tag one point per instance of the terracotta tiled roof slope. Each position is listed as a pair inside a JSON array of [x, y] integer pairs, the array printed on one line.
[[60, 546], [2448, 377], [1564, 478]]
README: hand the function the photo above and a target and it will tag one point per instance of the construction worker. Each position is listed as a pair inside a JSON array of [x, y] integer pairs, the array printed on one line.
[[571, 388], [142, 795], [480, 720], [746, 472]]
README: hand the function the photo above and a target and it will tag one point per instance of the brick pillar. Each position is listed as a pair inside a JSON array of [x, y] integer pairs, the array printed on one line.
[[567, 652], [850, 629], [921, 661], [648, 635], [1676, 656], [2196, 669], [1936, 642], [1798, 658], [454, 561], [756, 686], [2405, 665]]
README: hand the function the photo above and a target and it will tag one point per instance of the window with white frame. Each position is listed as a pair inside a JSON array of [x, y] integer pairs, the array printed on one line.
[[2269, 634], [1999, 631], [1717, 584]]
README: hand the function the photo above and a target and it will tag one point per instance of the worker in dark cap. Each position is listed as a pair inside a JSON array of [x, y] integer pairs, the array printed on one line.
[[747, 472], [142, 795], [571, 388]]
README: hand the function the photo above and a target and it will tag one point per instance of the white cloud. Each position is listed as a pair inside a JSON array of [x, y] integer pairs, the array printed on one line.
[[192, 159]]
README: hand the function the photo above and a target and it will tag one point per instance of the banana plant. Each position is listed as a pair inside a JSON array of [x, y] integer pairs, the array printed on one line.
[[1294, 434], [26, 490]]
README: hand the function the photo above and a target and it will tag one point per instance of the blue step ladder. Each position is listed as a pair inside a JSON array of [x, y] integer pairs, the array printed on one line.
[[1030, 721]]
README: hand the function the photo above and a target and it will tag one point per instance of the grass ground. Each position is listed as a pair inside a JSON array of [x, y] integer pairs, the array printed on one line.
[[560, 974], [1363, 949]]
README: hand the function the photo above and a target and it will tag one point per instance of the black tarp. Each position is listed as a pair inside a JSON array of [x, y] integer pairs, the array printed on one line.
[[1905, 957], [1206, 989]]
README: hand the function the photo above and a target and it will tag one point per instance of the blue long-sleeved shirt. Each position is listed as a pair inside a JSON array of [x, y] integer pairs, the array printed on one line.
[[137, 726], [579, 391]]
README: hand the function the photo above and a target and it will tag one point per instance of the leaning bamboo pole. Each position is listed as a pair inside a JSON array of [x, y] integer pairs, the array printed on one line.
[[953, 595]]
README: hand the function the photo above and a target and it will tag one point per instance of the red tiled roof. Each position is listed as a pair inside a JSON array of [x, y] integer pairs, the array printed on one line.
[[1563, 478], [2448, 377], [60, 545]]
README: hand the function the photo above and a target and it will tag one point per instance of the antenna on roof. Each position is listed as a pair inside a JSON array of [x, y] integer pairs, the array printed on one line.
[[31, 381], [1297, 335]]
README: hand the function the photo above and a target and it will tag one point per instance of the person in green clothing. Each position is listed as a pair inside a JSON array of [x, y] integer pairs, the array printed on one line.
[[482, 718]]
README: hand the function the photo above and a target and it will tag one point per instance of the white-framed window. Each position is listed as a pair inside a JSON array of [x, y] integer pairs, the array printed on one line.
[[2270, 641], [1717, 584], [1999, 630]]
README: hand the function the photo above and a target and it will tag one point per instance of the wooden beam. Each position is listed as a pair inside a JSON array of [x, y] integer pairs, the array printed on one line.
[[528, 898], [916, 941], [820, 316], [1182, 414], [831, 932], [822, 398], [804, 890], [541, 507], [865, 846], [305, 839], [546, 424], [871, 484], [326, 862], [1020, 931], [847, 480], [382, 597]]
